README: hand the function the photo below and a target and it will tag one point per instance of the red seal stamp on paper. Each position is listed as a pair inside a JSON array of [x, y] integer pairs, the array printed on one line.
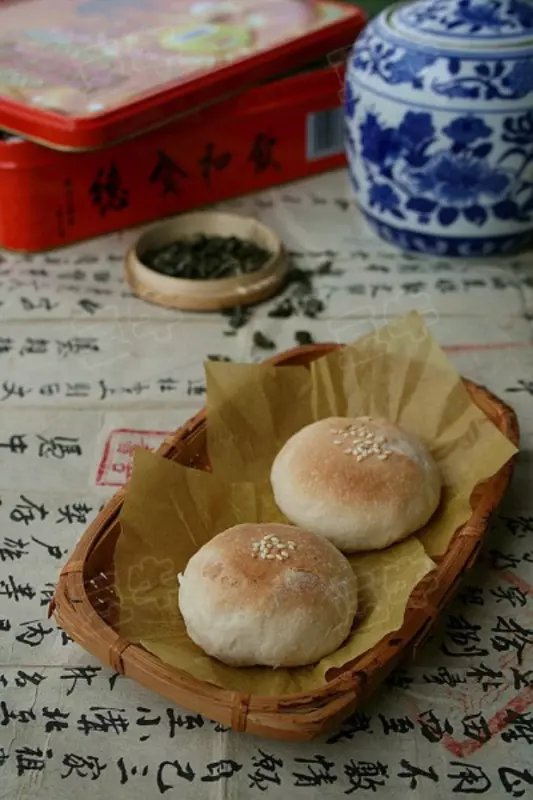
[[116, 464]]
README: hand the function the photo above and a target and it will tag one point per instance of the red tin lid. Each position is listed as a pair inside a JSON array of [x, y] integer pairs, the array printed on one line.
[[82, 74]]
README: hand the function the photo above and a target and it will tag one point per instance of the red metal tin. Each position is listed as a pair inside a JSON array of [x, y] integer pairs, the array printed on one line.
[[278, 132], [82, 74]]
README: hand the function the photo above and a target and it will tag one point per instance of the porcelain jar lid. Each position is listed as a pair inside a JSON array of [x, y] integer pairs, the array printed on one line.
[[464, 24]]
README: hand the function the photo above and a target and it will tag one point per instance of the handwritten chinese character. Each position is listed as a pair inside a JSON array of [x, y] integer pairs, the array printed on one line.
[[187, 721], [210, 161], [443, 677], [82, 766], [167, 173], [523, 386], [15, 443], [186, 773], [54, 550], [30, 759], [444, 286], [464, 636], [472, 596], [59, 446], [366, 775], [520, 727], [515, 596], [431, 728], [510, 634], [265, 771], [77, 389], [23, 679], [34, 633], [89, 306], [522, 679], [475, 727], [396, 724], [144, 722], [133, 771], [33, 346], [519, 526], [399, 679], [9, 389], [318, 772], [43, 303], [46, 594], [13, 549], [73, 512], [107, 192], [503, 561], [167, 384], [16, 591], [50, 389], [75, 674], [78, 345], [104, 720], [23, 716], [414, 773], [195, 387], [27, 511], [217, 770], [470, 778], [514, 780], [261, 154], [352, 725], [56, 719]]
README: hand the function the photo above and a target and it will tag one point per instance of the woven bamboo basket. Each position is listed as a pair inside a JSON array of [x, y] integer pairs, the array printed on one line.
[[86, 607]]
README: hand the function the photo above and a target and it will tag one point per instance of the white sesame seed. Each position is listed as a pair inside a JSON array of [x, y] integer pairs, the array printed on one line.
[[269, 556], [337, 441], [284, 553], [382, 457], [279, 557]]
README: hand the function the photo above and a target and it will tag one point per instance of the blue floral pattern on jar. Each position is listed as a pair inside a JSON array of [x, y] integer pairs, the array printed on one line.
[[409, 174], [439, 125], [469, 17], [453, 77]]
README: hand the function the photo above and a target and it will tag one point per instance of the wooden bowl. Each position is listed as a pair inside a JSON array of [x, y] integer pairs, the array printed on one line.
[[86, 607], [208, 295]]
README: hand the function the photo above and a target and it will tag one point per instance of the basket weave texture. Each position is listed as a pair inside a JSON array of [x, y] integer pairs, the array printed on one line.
[[86, 607]]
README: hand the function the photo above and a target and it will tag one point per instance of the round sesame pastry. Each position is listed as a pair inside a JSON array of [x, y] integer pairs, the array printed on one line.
[[268, 595], [363, 483]]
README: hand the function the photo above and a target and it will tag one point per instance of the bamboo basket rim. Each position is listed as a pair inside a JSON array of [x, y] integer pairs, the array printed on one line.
[[301, 715]]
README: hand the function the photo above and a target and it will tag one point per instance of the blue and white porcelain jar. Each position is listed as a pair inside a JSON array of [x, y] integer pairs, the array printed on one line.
[[439, 125]]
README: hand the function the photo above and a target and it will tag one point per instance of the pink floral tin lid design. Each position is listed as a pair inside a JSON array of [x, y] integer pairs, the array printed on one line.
[[86, 57]]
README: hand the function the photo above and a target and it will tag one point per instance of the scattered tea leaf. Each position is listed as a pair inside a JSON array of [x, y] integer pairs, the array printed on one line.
[[263, 342], [238, 316], [303, 338], [324, 268], [282, 310], [207, 258]]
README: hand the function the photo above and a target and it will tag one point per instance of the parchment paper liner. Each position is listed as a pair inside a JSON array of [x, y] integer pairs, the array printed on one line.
[[170, 510]]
